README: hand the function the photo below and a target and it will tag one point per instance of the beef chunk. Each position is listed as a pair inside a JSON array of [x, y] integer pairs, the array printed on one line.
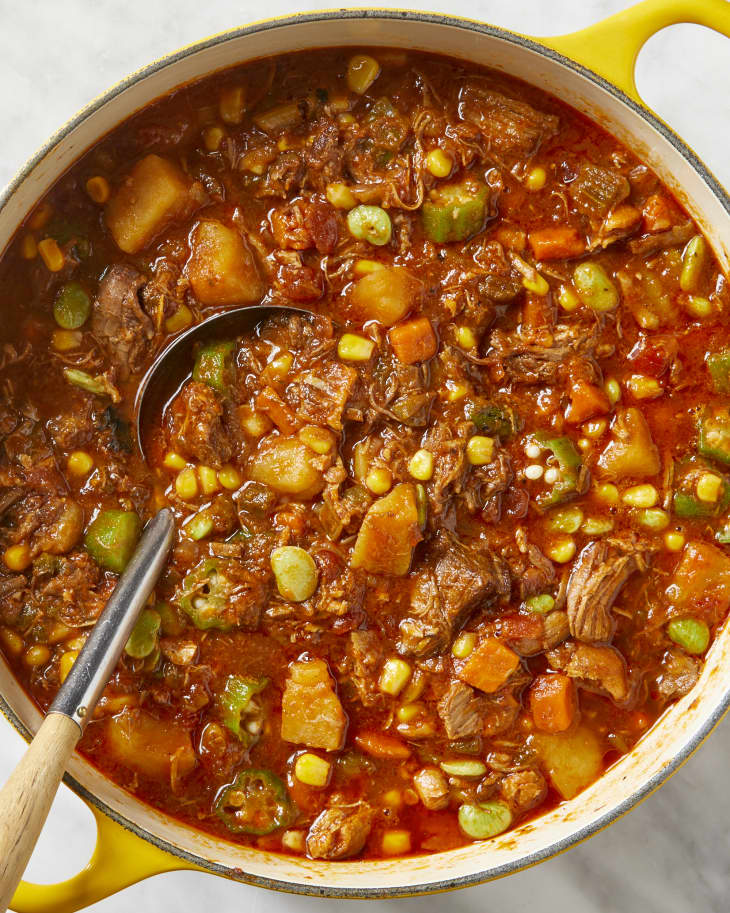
[[528, 363], [647, 245], [401, 391], [196, 428], [432, 788], [461, 711], [68, 588], [596, 190], [535, 574], [513, 129], [523, 790], [319, 394], [284, 176], [598, 575], [678, 676], [365, 660], [124, 331], [340, 832], [48, 522], [454, 581], [602, 668]]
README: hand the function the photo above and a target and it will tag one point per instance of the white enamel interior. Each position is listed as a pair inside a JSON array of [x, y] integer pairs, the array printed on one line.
[[683, 726]]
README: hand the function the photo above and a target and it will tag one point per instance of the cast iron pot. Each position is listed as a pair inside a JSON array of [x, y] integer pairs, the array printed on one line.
[[591, 70]]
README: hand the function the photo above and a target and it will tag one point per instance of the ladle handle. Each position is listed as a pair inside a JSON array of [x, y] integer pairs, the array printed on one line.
[[26, 798]]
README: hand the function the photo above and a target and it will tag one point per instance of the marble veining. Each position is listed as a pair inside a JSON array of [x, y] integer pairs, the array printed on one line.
[[672, 854]]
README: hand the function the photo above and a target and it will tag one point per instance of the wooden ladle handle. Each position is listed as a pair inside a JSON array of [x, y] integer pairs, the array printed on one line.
[[26, 798]]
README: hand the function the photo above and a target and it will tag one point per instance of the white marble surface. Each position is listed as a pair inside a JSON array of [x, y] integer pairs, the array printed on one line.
[[671, 855]]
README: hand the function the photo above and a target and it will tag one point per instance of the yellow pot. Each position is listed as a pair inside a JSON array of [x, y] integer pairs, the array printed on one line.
[[591, 70]]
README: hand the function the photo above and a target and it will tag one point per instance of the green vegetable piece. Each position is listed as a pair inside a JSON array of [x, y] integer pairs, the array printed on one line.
[[205, 596], [214, 365], [541, 604], [594, 287], [464, 767], [565, 520], [689, 507], [692, 634], [171, 624], [494, 420], [723, 535], [143, 639], [238, 708], [112, 537], [714, 429], [718, 364], [455, 212], [371, 224], [421, 505], [484, 819], [569, 466], [98, 385], [72, 306], [694, 259], [685, 502], [200, 525], [255, 803]]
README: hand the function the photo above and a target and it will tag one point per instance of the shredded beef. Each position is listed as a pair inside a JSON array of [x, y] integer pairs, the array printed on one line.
[[124, 331]]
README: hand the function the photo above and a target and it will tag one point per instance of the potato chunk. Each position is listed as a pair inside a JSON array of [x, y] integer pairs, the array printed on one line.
[[631, 452], [221, 268], [153, 194], [385, 295], [572, 760], [389, 533], [155, 748], [701, 581], [288, 466], [311, 712]]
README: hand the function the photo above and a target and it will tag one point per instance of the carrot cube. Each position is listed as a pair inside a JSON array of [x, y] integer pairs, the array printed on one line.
[[489, 666], [552, 702], [414, 341], [556, 243]]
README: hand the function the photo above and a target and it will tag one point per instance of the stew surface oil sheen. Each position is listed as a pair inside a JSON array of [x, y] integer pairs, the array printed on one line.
[[446, 549]]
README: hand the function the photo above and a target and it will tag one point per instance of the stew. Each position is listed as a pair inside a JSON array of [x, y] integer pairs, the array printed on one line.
[[449, 544]]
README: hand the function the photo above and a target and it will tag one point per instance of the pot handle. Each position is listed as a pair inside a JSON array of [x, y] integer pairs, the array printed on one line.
[[120, 859], [610, 47]]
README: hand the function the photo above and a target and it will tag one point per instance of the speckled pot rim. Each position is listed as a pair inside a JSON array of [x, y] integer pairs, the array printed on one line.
[[717, 712]]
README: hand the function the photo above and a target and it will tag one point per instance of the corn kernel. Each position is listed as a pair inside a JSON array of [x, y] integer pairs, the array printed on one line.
[[439, 163], [37, 655], [294, 841], [208, 479], [340, 196], [76, 643], [396, 843], [709, 487], [699, 307], [98, 189], [232, 104], [230, 478], [596, 526], [362, 71], [607, 493], [562, 549], [480, 450], [64, 664], [465, 337], [415, 688], [420, 465], [565, 520], [394, 676], [642, 387], [364, 267], [537, 284], [180, 320], [613, 390], [536, 178], [28, 248], [379, 481], [346, 119], [674, 540], [66, 340], [12, 641], [57, 632], [653, 518], [254, 423], [41, 216], [80, 463], [407, 712], [463, 645], [186, 484], [280, 366], [17, 557], [595, 428], [312, 770], [174, 461], [584, 443], [455, 392], [352, 347], [640, 496], [51, 254], [213, 137], [317, 439], [393, 798]]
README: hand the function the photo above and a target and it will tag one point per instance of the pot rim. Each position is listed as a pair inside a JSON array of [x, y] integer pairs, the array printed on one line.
[[721, 707]]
